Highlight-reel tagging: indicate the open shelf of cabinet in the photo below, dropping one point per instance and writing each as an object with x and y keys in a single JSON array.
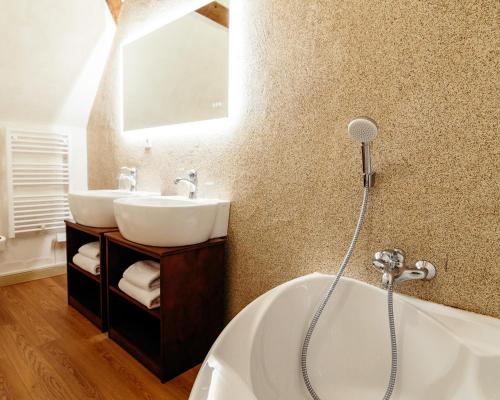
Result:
[
  {"x": 155, "y": 312},
  {"x": 87, "y": 293},
  {"x": 176, "y": 336},
  {"x": 95, "y": 278}
]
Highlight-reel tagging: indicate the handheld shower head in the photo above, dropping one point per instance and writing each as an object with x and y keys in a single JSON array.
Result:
[{"x": 364, "y": 130}]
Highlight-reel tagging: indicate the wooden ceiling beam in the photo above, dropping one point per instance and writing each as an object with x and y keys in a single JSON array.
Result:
[
  {"x": 115, "y": 7},
  {"x": 216, "y": 12}
]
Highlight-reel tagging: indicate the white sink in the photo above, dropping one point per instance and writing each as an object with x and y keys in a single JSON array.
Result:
[
  {"x": 95, "y": 207},
  {"x": 171, "y": 220}
]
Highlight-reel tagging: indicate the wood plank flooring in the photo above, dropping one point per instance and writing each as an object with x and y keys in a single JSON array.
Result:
[{"x": 49, "y": 351}]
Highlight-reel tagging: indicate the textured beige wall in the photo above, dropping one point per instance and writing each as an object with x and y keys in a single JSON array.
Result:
[{"x": 425, "y": 70}]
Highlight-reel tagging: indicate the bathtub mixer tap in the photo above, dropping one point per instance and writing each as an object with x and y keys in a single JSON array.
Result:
[
  {"x": 192, "y": 179},
  {"x": 391, "y": 263}
]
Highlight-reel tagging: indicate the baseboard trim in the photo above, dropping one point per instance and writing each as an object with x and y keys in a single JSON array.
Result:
[{"x": 32, "y": 275}]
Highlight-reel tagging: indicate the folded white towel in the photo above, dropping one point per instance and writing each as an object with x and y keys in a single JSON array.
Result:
[
  {"x": 144, "y": 274},
  {"x": 150, "y": 298},
  {"x": 91, "y": 250},
  {"x": 88, "y": 264}
]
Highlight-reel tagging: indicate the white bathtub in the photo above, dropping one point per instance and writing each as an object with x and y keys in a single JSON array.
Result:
[{"x": 444, "y": 353}]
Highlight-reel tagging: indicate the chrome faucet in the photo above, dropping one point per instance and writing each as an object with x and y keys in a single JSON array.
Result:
[
  {"x": 192, "y": 179},
  {"x": 128, "y": 179},
  {"x": 391, "y": 263}
]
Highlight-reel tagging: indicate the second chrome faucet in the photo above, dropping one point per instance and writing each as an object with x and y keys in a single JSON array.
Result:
[{"x": 192, "y": 180}]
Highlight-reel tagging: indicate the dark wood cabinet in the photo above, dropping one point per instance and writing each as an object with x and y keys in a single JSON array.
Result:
[
  {"x": 175, "y": 337},
  {"x": 86, "y": 292}
]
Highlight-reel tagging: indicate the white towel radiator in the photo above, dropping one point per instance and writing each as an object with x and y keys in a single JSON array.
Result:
[{"x": 38, "y": 180}]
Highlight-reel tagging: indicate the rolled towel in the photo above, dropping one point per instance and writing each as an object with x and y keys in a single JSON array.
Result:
[
  {"x": 88, "y": 264},
  {"x": 144, "y": 274},
  {"x": 150, "y": 298},
  {"x": 92, "y": 250}
]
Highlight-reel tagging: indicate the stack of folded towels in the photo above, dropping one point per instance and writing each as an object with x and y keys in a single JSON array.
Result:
[
  {"x": 88, "y": 258},
  {"x": 141, "y": 281}
]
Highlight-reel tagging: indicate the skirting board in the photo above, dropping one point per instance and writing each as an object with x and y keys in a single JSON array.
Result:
[{"x": 32, "y": 275}]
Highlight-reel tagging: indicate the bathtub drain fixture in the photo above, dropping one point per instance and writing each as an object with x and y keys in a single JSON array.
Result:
[{"x": 363, "y": 130}]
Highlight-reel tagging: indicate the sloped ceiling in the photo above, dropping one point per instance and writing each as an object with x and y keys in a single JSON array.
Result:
[{"x": 53, "y": 54}]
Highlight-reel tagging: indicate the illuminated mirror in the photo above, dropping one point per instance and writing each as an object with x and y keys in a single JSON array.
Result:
[{"x": 179, "y": 72}]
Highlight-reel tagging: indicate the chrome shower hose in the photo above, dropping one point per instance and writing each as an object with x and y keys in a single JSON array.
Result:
[{"x": 329, "y": 292}]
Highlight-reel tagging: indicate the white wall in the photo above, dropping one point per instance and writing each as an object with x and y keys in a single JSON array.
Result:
[{"x": 51, "y": 61}]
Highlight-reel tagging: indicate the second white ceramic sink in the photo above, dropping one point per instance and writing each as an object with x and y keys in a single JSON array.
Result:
[
  {"x": 95, "y": 207},
  {"x": 171, "y": 220}
]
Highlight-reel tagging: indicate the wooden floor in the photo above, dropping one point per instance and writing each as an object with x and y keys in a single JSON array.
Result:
[{"x": 49, "y": 351}]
